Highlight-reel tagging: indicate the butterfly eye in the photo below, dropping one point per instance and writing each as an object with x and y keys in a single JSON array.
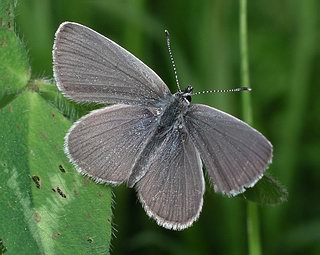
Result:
[{"x": 188, "y": 90}]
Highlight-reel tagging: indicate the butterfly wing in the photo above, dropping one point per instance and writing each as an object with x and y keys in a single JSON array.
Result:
[
  {"x": 172, "y": 190},
  {"x": 234, "y": 154},
  {"x": 106, "y": 143},
  {"x": 89, "y": 67}
]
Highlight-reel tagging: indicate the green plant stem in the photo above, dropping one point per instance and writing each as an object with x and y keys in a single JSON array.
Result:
[
  {"x": 245, "y": 78},
  {"x": 253, "y": 230}
]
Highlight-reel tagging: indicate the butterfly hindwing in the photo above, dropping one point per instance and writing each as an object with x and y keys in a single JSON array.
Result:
[
  {"x": 234, "y": 154},
  {"x": 106, "y": 143},
  {"x": 172, "y": 189}
]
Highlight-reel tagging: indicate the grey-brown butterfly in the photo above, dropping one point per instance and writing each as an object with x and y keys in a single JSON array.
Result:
[{"x": 147, "y": 137}]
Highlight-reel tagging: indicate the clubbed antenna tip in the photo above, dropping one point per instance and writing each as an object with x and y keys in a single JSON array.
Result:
[
  {"x": 245, "y": 89},
  {"x": 223, "y": 90}
]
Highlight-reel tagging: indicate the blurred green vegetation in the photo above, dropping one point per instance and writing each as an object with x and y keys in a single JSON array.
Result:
[{"x": 284, "y": 59}]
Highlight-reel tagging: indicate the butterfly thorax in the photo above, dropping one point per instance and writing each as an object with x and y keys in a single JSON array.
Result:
[{"x": 176, "y": 107}]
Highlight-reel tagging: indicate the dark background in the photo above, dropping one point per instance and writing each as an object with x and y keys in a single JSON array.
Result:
[{"x": 284, "y": 61}]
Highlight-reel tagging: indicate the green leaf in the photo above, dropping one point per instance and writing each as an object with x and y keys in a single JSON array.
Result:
[
  {"x": 46, "y": 206},
  {"x": 14, "y": 66},
  {"x": 268, "y": 191}
]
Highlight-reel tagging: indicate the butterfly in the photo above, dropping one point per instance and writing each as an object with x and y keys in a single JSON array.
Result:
[{"x": 146, "y": 137}]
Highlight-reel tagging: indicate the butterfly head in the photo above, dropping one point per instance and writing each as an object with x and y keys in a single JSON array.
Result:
[{"x": 186, "y": 94}]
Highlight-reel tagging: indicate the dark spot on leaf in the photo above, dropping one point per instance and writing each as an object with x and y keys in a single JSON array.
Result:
[
  {"x": 100, "y": 194},
  {"x": 61, "y": 168},
  {"x": 90, "y": 240},
  {"x": 53, "y": 189},
  {"x": 60, "y": 192},
  {"x": 55, "y": 235},
  {"x": 37, "y": 217},
  {"x": 44, "y": 135},
  {"x": 9, "y": 13},
  {"x": 53, "y": 114},
  {"x": 37, "y": 181},
  {"x": 76, "y": 192},
  {"x": 88, "y": 215},
  {"x": 3, "y": 248}
]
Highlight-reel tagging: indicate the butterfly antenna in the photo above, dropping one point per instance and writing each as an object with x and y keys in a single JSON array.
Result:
[
  {"x": 171, "y": 58},
  {"x": 222, "y": 90}
]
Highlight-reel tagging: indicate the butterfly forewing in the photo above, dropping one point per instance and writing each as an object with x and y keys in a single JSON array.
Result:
[
  {"x": 172, "y": 189},
  {"x": 89, "y": 67},
  {"x": 234, "y": 154},
  {"x": 106, "y": 143}
]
